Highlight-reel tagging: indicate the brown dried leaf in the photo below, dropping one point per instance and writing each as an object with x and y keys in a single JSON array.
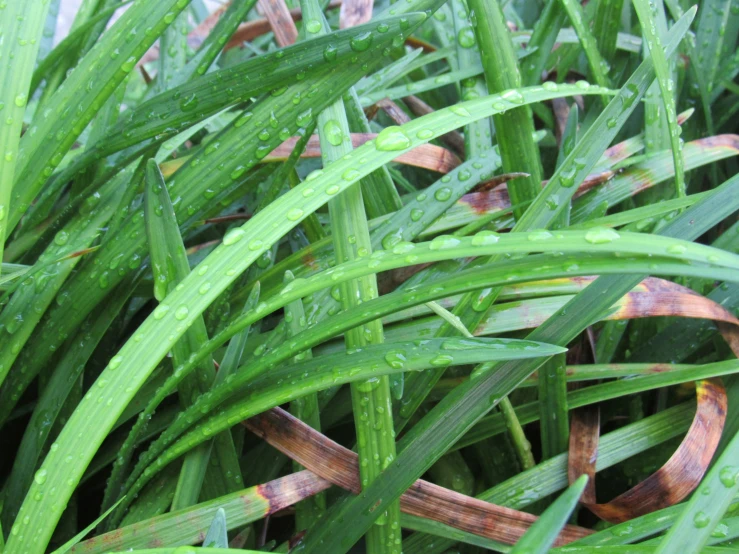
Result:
[
  {"x": 670, "y": 483},
  {"x": 427, "y": 156},
  {"x": 354, "y": 12},
  {"x": 280, "y": 20},
  {"x": 339, "y": 465}
]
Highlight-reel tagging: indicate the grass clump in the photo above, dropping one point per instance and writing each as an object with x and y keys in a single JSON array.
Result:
[{"x": 483, "y": 253}]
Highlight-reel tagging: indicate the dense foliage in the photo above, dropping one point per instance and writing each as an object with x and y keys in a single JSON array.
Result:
[{"x": 266, "y": 268}]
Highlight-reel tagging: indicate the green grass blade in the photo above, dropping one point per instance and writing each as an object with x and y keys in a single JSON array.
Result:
[
  {"x": 711, "y": 41},
  {"x": 477, "y": 134},
  {"x": 550, "y": 476},
  {"x": 545, "y": 33},
  {"x": 605, "y": 26},
  {"x": 67, "y": 45},
  {"x": 267, "y": 392},
  {"x": 162, "y": 116},
  {"x": 67, "y": 546},
  {"x": 80, "y": 97},
  {"x": 371, "y": 400},
  {"x": 217, "y": 536},
  {"x": 202, "y": 189},
  {"x": 68, "y": 369},
  {"x": 666, "y": 87},
  {"x": 542, "y": 534},
  {"x": 186, "y": 527},
  {"x": 556, "y": 196},
  {"x": 21, "y": 25},
  {"x": 25, "y": 309},
  {"x": 596, "y": 139},
  {"x": 598, "y": 66},
  {"x": 222, "y": 268},
  {"x": 305, "y": 408},
  {"x": 428, "y": 439},
  {"x": 652, "y": 171},
  {"x": 515, "y": 128}
]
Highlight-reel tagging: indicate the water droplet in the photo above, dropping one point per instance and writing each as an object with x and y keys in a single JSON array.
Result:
[
  {"x": 425, "y": 134},
  {"x": 369, "y": 385},
  {"x": 329, "y": 53},
  {"x": 61, "y": 238},
  {"x": 442, "y": 242},
  {"x": 189, "y": 103},
  {"x": 181, "y": 312},
  {"x": 677, "y": 249},
  {"x": 295, "y": 214},
  {"x": 416, "y": 214},
  {"x": 466, "y": 37},
  {"x": 550, "y": 86},
  {"x": 160, "y": 311},
  {"x": 601, "y": 235},
  {"x": 441, "y": 360},
  {"x": 21, "y": 100},
  {"x": 459, "y": 110},
  {"x": 484, "y": 238},
  {"x": 313, "y": 26},
  {"x": 396, "y": 359},
  {"x": 350, "y": 174},
  {"x": 513, "y": 96},
  {"x": 40, "y": 476},
  {"x": 402, "y": 247},
  {"x": 539, "y": 235},
  {"x": 443, "y": 194},
  {"x": 728, "y": 476},
  {"x": 361, "y": 42},
  {"x": 233, "y": 236},
  {"x": 701, "y": 519},
  {"x": 333, "y": 132},
  {"x": 392, "y": 139}
]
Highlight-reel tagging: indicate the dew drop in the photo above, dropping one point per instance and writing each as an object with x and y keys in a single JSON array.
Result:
[
  {"x": 601, "y": 235},
  {"x": 701, "y": 519},
  {"x": 459, "y": 110},
  {"x": 295, "y": 214},
  {"x": 160, "y": 311},
  {"x": 233, "y": 236},
  {"x": 392, "y": 139},
  {"x": 361, "y": 42},
  {"x": 728, "y": 476},
  {"x": 181, "y": 312},
  {"x": 443, "y": 194},
  {"x": 61, "y": 238},
  {"x": 333, "y": 132},
  {"x": 443, "y": 242},
  {"x": 40, "y": 476},
  {"x": 484, "y": 238}
]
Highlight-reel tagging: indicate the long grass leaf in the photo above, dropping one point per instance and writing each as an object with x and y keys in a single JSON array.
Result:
[
  {"x": 22, "y": 25},
  {"x": 542, "y": 534}
]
